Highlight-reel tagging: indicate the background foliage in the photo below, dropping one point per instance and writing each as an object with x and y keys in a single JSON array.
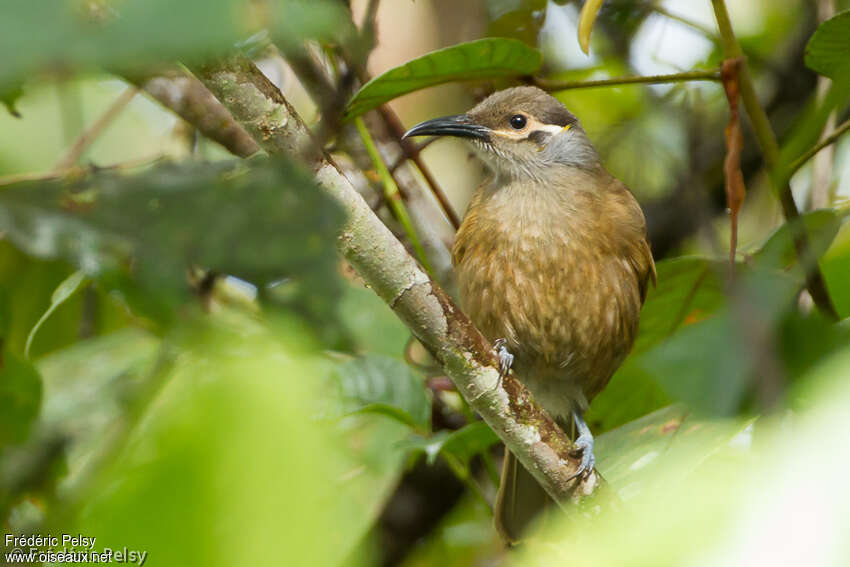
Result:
[{"x": 188, "y": 368}]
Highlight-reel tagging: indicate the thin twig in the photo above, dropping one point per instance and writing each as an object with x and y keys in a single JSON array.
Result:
[
  {"x": 770, "y": 150},
  {"x": 810, "y": 153},
  {"x": 392, "y": 194},
  {"x": 707, "y": 32},
  {"x": 412, "y": 151},
  {"x": 93, "y": 131},
  {"x": 42, "y": 176},
  {"x": 418, "y": 150},
  {"x": 554, "y": 85}
]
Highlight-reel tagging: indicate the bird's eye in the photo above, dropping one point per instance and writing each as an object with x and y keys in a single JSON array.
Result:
[{"x": 518, "y": 121}]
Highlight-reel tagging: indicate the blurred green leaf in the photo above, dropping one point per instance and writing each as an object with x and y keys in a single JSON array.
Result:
[
  {"x": 778, "y": 251},
  {"x": 518, "y": 19},
  {"x": 133, "y": 35},
  {"x": 384, "y": 385},
  {"x": 20, "y": 397},
  {"x": 631, "y": 456},
  {"x": 836, "y": 270},
  {"x": 87, "y": 385},
  {"x": 631, "y": 393},
  {"x": 463, "y": 444},
  {"x": 828, "y": 50},
  {"x": 480, "y": 59},
  {"x": 709, "y": 363},
  {"x": 66, "y": 289},
  {"x": 689, "y": 290},
  {"x": 9, "y": 97},
  {"x": 723, "y": 510},
  {"x": 230, "y": 460},
  {"x": 154, "y": 226}
]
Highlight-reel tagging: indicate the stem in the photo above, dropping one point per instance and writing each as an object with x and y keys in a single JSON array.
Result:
[
  {"x": 770, "y": 150},
  {"x": 809, "y": 154},
  {"x": 392, "y": 194},
  {"x": 553, "y": 85}
]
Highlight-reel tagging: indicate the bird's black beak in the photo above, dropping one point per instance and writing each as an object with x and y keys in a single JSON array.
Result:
[{"x": 460, "y": 126}]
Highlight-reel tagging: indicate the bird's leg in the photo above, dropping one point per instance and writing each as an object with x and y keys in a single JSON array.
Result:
[
  {"x": 583, "y": 444},
  {"x": 506, "y": 359}
]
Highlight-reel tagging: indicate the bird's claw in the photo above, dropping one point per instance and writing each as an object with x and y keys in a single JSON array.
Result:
[
  {"x": 506, "y": 359},
  {"x": 584, "y": 445}
]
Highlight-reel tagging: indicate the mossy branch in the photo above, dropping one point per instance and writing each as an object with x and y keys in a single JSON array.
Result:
[{"x": 464, "y": 354}]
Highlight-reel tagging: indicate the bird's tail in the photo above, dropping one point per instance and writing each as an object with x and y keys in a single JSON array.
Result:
[{"x": 519, "y": 501}]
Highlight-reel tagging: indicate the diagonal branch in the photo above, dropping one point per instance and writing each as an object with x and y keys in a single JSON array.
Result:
[{"x": 420, "y": 303}]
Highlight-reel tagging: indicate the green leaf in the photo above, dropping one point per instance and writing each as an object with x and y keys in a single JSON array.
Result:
[
  {"x": 828, "y": 50},
  {"x": 384, "y": 385},
  {"x": 710, "y": 364},
  {"x": 463, "y": 444},
  {"x": 66, "y": 289},
  {"x": 20, "y": 398},
  {"x": 133, "y": 35},
  {"x": 689, "y": 289},
  {"x": 260, "y": 222},
  {"x": 480, "y": 59},
  {"x": 778, "y": 251},
  {"x": 836, "y": 271},
  {"x": 9, "y": 97},
  {"x": 518, "y": 19},
  {"x": 630, "y": 456}
]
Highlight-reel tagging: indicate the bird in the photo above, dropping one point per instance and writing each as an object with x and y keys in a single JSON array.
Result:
[{"x": 553, "y": 265}]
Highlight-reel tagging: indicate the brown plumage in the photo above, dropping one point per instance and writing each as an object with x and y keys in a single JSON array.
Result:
[{"x": 551, "y": 256}]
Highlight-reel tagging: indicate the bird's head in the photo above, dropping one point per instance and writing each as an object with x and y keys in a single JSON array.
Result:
[{"x": 518, "y": 132}]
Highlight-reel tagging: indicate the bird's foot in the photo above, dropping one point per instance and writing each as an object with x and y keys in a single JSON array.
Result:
[
  {"x": 584, "y": 445},
  {"x": 506, "y": 359}
]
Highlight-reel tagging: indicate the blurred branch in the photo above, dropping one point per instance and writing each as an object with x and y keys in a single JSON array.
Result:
[
  {"x": 553, "y": 85},
  {"x": 92, "y": 132},
  {"x": 830, "y": 139},
  {"x": 420, "y": 303},
  {"x": 189, "y": 99},
  {"x": 770, "y": 149}
]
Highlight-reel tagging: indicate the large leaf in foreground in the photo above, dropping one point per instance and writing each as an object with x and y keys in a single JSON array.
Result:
[
  {"x": 260, "y": 222},
  {"x": 481, "y": 59},
  {"x": 134, "y": 35}
]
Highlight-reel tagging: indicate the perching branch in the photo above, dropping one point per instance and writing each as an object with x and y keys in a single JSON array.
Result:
[
  {"x": 770, "y": 149},
  {"x": 465, "y": 355}
]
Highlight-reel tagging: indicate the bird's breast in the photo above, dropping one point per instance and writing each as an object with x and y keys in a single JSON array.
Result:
[{"x": 539, "y": 275}]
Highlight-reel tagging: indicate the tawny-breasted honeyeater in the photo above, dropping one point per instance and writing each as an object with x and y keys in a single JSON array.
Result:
[{"x": 553, "y": 265}]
